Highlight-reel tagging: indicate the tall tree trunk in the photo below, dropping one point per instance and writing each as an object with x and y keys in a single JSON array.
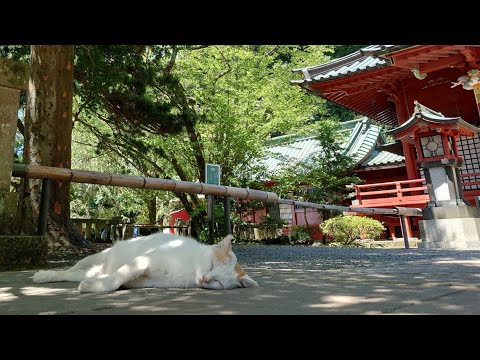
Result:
[
  {"x": 48, "y": 130},
  {"x": 152, "y": 210}
]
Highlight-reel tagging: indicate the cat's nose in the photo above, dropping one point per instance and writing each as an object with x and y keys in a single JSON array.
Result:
[{"x": 202, "y": 280}]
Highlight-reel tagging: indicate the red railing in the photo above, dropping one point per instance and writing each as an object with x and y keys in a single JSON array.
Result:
[
  {"x": 410, "y": 193},
  {"x": 393, "y": 193}
]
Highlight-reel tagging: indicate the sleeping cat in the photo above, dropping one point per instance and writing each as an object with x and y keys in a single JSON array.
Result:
[{"x": 158, "y": 260}]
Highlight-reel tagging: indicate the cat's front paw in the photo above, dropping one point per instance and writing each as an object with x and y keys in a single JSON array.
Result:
[
  {"x": 96, "y": 285},
  {"x": 44, "y": 276}
]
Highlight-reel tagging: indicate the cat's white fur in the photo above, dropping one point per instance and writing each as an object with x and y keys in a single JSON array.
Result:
[{"x": 158, "y": 260}]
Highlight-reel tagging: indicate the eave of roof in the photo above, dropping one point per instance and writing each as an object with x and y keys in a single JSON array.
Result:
[
  {"x": 369, "y": 89},
  {"x": 426, "y": 115},
  {"x": 379, "y": 158},
  {"x": 365, "y": 59}
]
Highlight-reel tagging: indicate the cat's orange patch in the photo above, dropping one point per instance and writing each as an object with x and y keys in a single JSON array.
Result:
[
  {"x": 221, "y": 255},
  {"x": 239, "y": 270}
]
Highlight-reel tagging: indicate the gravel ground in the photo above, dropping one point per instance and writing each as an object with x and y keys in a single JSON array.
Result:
[
  {"x": 307, "y": 257},
  {"x": 325, "y": 258}
]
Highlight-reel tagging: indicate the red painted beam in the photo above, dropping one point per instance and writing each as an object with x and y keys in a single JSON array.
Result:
[
  {"x": 441, "y": 63},
  {"x": 409, "y": 53}
]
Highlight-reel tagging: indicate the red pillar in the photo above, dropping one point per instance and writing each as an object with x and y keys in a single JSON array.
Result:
[
  {"x": 408, "y": 226},
  {"x": 391, "y": 230},
  {"x": 408, "y": 149}
]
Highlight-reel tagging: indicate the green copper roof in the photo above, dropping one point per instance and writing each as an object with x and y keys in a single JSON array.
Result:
[
  {"x": 364, "y": 59},
  {"x": 362, "y": 137}
]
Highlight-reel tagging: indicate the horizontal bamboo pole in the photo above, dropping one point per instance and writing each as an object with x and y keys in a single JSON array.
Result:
[
  {"x": 396, "y": 211},
  {"x": 140, "y": 182}
]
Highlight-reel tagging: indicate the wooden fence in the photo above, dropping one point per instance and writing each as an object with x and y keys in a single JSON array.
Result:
[{"x": 116, "y": 230}]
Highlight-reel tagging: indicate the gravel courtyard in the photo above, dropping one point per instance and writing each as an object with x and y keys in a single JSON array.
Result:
[{"x": 293, "y": 280}]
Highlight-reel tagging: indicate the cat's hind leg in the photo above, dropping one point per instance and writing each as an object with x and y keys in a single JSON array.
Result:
[
  {"x": 91, "y": 266},
  {"x": 124, "y": 274}
]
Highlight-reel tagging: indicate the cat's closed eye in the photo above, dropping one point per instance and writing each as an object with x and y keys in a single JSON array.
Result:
[{"x": 217, "y": 282}]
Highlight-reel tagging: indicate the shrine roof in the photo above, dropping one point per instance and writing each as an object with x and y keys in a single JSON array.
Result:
[{"x": 424, "y": 117}]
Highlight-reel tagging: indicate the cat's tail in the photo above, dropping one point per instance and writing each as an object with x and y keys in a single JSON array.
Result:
[{"x": 91, "y": 265}]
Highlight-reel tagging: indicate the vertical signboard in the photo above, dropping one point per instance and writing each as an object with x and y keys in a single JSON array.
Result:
[{"x": 212, "y": 174}]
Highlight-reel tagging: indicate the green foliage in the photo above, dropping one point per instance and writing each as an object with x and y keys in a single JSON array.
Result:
[
  {"x": 95, "y": 201},
  {"x": 116, "y": 82},
  {"x": 16, "y": 52},
  {"x": 324, "y": 177},
  {"x": 301, "y": 235},
  {"x": 270, "y": 222},
  {"x": 18, "y": 151},
  {"x": 244, "y": 95},
  {"x": 217, "y": 103},
  {"x": 23, "y": 252},
  {"x": 346, "y": 229},
  {"x": 344, "y": 50}
]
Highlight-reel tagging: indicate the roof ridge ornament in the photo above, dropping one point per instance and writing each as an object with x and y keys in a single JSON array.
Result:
[
  {"x": 418, "y": 74},
  {"x": 421, "y": 109}
]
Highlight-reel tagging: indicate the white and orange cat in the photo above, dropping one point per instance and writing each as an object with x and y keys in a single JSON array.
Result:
[{"x": 158, "y": 260}]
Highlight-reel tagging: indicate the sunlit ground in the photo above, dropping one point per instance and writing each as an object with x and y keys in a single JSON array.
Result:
[{"x": 438, "y": 285}]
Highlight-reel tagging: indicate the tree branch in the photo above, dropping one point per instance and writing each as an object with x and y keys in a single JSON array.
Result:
[
  {"x": 271, "y": 51},
  {"x": 198, "y": 47},
  {"x": 171, "y": 62},
  {"x": 223, "y": 73},
  {"x": 21, "y": 127}
]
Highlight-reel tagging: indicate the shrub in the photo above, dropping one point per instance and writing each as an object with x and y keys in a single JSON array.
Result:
[
  {"x": 279, "y": 240},
  {"x": 302, "y": 235},
  {"x": 23, "y": 252},
  {"x": 346, "y": 229}
]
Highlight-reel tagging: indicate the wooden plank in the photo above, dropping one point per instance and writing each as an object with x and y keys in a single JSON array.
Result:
[
  {"x": 419, "y": 188},
  {"x": 392, "y": 191},
  {"x": 391, "y": 202},
  {"x": 379, "y": 192},
  {"x": 390, "y": 183},
  {"x": 441, "y": 63}
]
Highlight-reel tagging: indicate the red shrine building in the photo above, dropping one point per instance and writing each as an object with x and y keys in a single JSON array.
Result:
[{"x": 429, "y": 96}]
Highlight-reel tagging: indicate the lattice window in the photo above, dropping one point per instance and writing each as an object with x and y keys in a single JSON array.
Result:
[
  {"x": 286, "y": 212},
  {"x": 469, "y": 149},
  {"x": 274, "y": 211},
  {"x": 280, "y": 212}
]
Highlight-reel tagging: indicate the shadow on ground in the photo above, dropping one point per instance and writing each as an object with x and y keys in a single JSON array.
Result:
[{"x": 408, "y": 283}]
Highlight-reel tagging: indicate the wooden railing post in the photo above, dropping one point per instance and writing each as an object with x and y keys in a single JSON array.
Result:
[
  {"x": 398, "y": 186},
  {"x": 359, "y": 194}
]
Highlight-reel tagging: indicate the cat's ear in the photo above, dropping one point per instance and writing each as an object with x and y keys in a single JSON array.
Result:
[
  {"x": 226, "y": 243},
  {"x": 246, "y": 281}
]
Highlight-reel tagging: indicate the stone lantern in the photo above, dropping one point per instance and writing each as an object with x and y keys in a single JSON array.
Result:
[{"x": 448, "y": 220}]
